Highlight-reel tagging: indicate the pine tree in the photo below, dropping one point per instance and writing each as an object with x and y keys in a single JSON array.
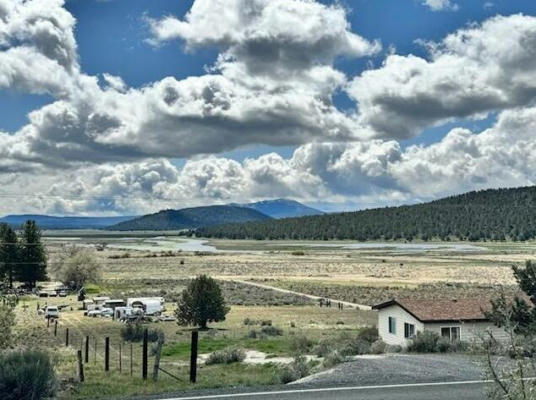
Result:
[
  {"x": 9, "y": 253},
  {"x": 33, "y": 259},
  {"x": 201, "y": 302}
]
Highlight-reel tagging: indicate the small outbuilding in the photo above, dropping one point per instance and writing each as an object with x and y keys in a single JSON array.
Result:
[{"x": 454, "y": 319}]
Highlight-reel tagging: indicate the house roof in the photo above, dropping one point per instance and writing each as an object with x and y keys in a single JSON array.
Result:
[{"x": 442, "y": 310}]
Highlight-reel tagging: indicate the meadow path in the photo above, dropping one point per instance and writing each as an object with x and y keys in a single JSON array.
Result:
[{"x": 309, "y": 296}]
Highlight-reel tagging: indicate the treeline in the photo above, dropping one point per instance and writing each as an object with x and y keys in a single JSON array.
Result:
[
  {"x": 22, "y": 257},
  {"x": 495, "y": 214}
]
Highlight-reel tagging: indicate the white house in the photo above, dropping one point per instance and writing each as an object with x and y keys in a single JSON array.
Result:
[{"x": 455, "y": 319}]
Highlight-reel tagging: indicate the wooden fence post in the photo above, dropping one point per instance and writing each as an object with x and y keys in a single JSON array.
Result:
[
  {"x": 130, "y": 359},
  {"x": 95, "y": 348},
  {"x": 80, "y": 366},
  {"x": 144, "y": 356},
  {"x": 193, "y": 357},
  {"x": 106, "y": 353},
  {"x": 159, "y": 345},
  {"x": 120, "y": 359},
  {"x": 66, "y": 337},
  {"x": 55, "y": 328},
  {"x": 86, "y": 355}
]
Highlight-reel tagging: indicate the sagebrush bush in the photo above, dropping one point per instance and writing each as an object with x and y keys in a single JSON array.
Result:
[
  {"x": 333, "y": 358},
  {"x": 369, "y": 334},
  {"x": 301, "y": 344},
  {"x": 356, "y": 347},
  {"x": 424, "y": 342},
  {"x": 26, "y": 375},
  {"x": 226, "y": 356},
  {"x": 297, "y": 369},
  {"x": 133, "y": 332},
  {"x": 271, "y": 331},
  {"x": 322, "y": 349},
  {"x": 266, "y": 322},
  {"x": 378, "y": 347}
]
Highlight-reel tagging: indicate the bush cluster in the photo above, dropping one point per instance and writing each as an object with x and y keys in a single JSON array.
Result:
[
  {"x": 431, "y": 342},
  {"x": 133, "y": 332},
  {"x": 26, "y": 375},
  {"x": 226, "y": 356},
  {"x": 297, "y": 369}
]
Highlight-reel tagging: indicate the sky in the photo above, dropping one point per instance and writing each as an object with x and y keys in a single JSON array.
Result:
[{"x": 122, "y": 107}]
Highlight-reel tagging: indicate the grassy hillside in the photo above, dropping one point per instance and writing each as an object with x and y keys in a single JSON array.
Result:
[
  {"x": 495, "y": 214},
  {"x": 189, "y": 218}
]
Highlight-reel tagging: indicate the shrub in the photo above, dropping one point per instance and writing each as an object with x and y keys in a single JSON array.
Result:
[
  {"x": 271, "y": 331},
  {"x": 333, "y": 358},
  {"x": 253, "y": 334},
  {"x": 378, "y": 347},
  {"x": 26, "y": 375},
  {"x": 369, "y": 334},
  {"x": 301, "y": 344},
  {"x": 443, "y": 345},
  {"x": 390, "y": 348},
  {"x": 356, "y": 347},
  {"x": 133, "y": 332},
  {"x": 297, "y": 369},
  {"x": 249, "y": 322},
  {"x": 322, "y": 349},
  {"x": 298, "y": 253},
  {"x": 424, "y": 342},
  {"x": 266, "y": 322},
  {"x": 226, "y": 356}
]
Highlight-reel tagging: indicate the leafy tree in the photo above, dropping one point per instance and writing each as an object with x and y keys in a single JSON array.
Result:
[
  {"x": 76, "y": 268},
  {"x": 518, "y": 312},
  {"x": 9, "y": 253},
  {"x": 33, "y": 258},
  {"x": 201, "y": 302},
  {"x": 7, "y": 321},
  {"x": 518, "y": 318}
]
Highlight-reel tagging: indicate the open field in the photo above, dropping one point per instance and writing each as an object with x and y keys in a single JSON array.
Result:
[{"x": 151, "y": 265}]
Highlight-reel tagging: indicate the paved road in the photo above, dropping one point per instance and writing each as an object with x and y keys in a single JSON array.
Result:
[
  {"x": 469, "y": 390},
  {"x": 309, "y": 296}
]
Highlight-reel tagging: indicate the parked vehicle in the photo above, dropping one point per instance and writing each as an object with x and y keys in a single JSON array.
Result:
[{"x": 52, "y": 312}]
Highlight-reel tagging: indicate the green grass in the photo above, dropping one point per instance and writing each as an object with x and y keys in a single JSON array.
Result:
[
  {"x": 113, "y": 385},
  {"x": 273, "y": 346}
]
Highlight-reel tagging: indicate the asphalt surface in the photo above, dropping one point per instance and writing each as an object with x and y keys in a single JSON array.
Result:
[{"x": 436, "y": 391}]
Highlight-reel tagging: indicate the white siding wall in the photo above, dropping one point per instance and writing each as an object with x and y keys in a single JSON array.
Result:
[
  {"x": 469, "y": 331},
  {"x": 401, "y": 317}
]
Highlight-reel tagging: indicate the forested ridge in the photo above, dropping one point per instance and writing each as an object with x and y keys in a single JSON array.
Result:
[{"x": 494, "y": 214}]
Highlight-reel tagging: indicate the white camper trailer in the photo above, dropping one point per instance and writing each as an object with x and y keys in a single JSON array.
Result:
[
  {"x": 150, "y": 306},
  {"x": 125, "y": 313}
]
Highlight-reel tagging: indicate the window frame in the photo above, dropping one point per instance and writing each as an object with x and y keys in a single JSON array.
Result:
[
  {"x": 451, "y": 328},
  {"x": 391, "y": 325},
  {"x": 409, "y": 330}
]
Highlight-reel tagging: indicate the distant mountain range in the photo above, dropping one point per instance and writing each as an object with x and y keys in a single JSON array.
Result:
[
  {"x": 187, "y": 218},
  {"x": 494, "y": 214},
  {"x": 282, "y": 208},
  {"x": 51, "y": 222}
]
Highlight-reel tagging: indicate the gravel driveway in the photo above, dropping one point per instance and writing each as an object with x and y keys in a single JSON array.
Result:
[{"x": 400, "y": 369}]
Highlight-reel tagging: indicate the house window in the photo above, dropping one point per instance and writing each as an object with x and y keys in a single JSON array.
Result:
[
  {"x": 409, "y": 330},
  {"x": 392, "y": 325},
  {"x": 451, "y": 333}
]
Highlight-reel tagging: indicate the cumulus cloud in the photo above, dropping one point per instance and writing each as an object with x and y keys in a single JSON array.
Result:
[
  {"x": 470, "y": 73},
  {"x": 361, "y": 174},
  {"x": 439, "y": 5},
  {"x": 272, "y": 84}
]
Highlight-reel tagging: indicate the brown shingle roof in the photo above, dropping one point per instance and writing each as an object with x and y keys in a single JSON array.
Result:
[{"x": 442, "y": 310}]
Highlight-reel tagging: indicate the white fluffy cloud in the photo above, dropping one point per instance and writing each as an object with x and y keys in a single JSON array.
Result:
[
  {"x": 470, "y": 73},
  {"x": 439, "y": 5},
  {"x": 102, "y": 146}
]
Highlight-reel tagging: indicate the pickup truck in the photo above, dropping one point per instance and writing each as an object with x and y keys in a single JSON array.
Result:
[{"x": 52, "y": 312}]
